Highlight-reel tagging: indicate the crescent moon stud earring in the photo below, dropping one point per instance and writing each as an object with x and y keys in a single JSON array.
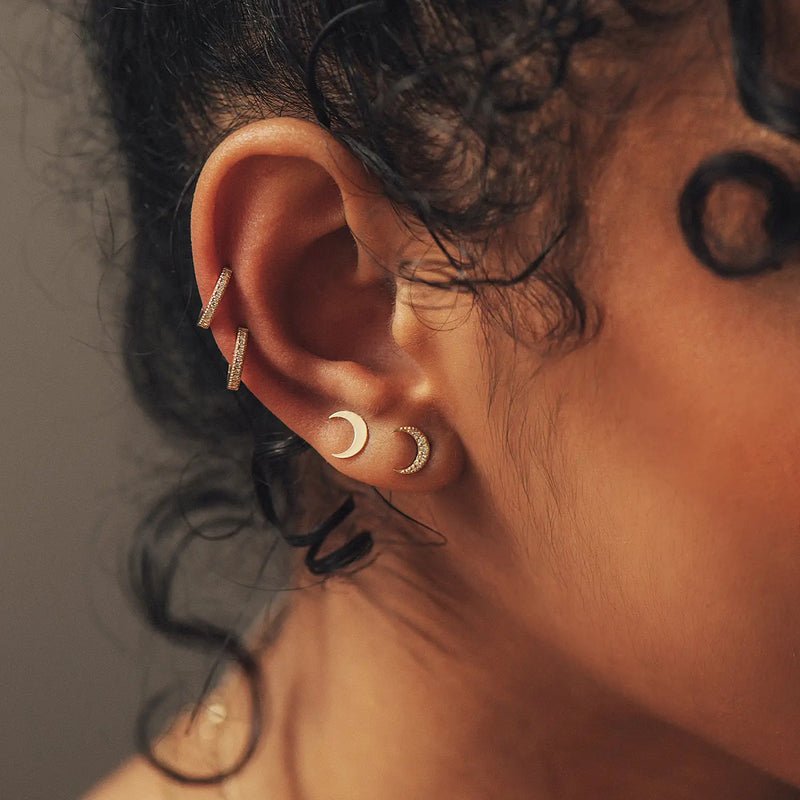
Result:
[
  {"x": 360, "y": 433},
  {"x": 423, "y": 450}
]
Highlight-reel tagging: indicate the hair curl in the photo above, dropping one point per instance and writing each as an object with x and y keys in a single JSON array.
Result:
[{"x": 458, "y": 107}]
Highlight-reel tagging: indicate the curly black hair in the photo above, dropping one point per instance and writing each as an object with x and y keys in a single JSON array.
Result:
[{"x": 462, "y": 109}]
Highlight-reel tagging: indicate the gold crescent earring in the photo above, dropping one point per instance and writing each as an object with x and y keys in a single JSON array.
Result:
[
  {"x": 360, "y": 433},
  {"x": 423, "y": 450}
]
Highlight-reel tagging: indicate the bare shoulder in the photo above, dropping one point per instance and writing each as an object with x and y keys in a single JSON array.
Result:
[
  {"x": 139, "y": 780},
  {"x": 136, "y": 780},
  {"x": 196, "y": 744}
]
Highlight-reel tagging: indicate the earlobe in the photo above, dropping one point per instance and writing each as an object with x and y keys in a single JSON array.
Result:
[{"x": 306, "y": 237}]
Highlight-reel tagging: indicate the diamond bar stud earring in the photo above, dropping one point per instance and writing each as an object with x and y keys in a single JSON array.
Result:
[
  {"x": 219, "y": 289},
  {"x": 237, "y": 362}
]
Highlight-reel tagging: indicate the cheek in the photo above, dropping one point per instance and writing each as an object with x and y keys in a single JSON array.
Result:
[
  {"x": 674, "y": 549},
  {"x": 697, "y": 390},
  {"x": 681, "y": 433}
]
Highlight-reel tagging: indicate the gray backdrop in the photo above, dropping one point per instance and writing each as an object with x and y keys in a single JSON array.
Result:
[{"x": 72, "y": 443}]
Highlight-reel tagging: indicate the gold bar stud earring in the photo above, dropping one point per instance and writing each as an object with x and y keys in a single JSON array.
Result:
[
  {"x": 237, "y": 362},
  {"x": 208, "y": 312}
]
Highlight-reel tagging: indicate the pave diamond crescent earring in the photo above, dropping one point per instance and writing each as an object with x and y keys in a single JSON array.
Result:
[{"x": 423, "y": 450}]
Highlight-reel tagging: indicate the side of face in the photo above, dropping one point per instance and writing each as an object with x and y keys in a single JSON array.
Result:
[
  {"x": 648, "y": 481},
  {"x": 633, "y": 501}
]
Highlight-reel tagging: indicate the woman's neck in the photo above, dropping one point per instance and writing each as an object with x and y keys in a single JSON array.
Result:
[{"x": 388, "y": 686}]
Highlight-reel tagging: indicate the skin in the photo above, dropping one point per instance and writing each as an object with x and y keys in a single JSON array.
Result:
[{"x": 615, "y": 613}]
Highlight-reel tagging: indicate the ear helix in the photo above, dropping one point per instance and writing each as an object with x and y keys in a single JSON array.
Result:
[
  {"x": 207, "y": 316},
  {"x": 361, "y": 436}
]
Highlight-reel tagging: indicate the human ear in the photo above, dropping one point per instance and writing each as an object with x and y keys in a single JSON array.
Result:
[{"x": 308, "y": 237}]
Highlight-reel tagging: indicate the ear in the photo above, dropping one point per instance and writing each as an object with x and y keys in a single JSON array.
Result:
[{"x": 308, "y": 237}]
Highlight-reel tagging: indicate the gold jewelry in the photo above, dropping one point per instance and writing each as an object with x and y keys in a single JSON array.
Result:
[
  {"x": 423, "y": 450},
  {"x": 237, "y": 362},
  {"x": 213, "y": 718},
  {"x": 208, "y": 312},
  {"x": 360, "y": 433}
]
